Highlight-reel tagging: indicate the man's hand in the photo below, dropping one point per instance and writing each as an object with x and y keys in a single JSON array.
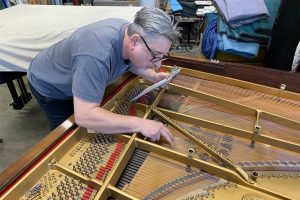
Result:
[
  {"x": 149, "y": 74},
  {"x": 90, "y": 115},
  {"x": 155, "y": 130},
  {"x": 160, "y": 76}
]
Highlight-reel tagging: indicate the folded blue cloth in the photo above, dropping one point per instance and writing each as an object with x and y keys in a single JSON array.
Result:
[
  {"x": 175, "y": 6},
  {"x": 244, "y": 49},
  {"x": 240, "y": 12}
]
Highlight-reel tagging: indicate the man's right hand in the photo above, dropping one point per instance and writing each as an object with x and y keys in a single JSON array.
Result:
[
  {"x": 90, "y": 115},
  {"x": 155, "y": 130}
]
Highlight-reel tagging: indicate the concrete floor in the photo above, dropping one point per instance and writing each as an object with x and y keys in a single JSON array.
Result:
[{"x": 19, "y": 129}]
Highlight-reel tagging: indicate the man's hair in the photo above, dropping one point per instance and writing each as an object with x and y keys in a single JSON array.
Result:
[{"x": 151, "y": 22}]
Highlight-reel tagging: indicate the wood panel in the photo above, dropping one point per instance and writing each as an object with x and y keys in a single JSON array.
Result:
[{"x": 260, "y": 75}]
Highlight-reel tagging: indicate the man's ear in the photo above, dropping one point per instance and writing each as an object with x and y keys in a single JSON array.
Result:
[{"x": 134, "y": 40}]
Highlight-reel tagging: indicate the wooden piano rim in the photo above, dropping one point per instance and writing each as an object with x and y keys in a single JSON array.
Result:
[
  {"x": 23, "y": 165},
  {"x": 260, "y": 75},
  {"x": 27, "y": 161}
]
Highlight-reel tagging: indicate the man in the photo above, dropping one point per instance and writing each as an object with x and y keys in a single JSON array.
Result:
[{"x": 71, "y": 76}]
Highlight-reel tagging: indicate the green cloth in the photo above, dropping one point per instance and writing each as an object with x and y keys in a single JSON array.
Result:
[
  {"x": 259, "y": 31},
  {"x": 2, "y": 6},
  {"x": 266, "y": 25},
  {"x": 244, "y": 33}
]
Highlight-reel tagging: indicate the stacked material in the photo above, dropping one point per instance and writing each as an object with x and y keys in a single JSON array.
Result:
[
  {"x": 242, "y": 26},
  {"x": 238, "y": 12}
]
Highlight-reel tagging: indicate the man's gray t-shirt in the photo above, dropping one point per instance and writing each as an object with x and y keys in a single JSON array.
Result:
[{"x": 83, "y": 64}]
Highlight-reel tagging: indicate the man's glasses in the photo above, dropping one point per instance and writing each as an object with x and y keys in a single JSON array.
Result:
[{"x": 155, "y": 58}]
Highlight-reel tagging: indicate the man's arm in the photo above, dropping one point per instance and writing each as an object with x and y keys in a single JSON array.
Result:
[{"x": 92, "y": 116}]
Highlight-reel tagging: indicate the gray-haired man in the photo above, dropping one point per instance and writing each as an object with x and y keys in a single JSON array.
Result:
[{"x": 71, "y": 76}]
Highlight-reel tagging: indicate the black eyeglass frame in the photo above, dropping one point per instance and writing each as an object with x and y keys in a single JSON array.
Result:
[{"x": 155, "y": 58}]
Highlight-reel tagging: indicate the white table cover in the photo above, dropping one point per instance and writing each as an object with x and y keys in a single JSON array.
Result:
[{"x": 25, "y": 30}]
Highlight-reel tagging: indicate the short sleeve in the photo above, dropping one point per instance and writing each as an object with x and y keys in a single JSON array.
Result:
[{"x": 90, "y": 78}]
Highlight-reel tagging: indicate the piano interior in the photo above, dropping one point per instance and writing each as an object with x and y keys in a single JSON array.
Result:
[{"x": 234, "y": 140}]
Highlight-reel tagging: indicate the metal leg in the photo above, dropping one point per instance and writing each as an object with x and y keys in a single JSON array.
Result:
[
  {"x": 25, "y": 95},
  {"x": 18, "y": 101}
]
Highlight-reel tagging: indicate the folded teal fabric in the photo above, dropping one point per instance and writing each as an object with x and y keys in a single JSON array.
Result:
[
  {"x": 244, "y": 33},
  {"x": 244, "y": 49},
  {"x": 265, "y": 26},
  {"x": 258, "y": 31}
]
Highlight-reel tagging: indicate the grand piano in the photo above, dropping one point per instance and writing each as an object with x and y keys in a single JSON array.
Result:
[{"x": 236, "y": 127}]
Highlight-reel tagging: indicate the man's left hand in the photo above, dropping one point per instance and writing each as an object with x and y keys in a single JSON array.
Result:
[{"x": 160, "y": 76}]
